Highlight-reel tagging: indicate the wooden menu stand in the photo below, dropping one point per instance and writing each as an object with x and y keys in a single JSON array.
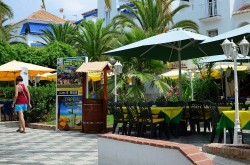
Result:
[{"x": 94, "y": 113}]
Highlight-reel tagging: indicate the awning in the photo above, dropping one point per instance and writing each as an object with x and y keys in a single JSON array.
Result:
[
  {"x": 77, "y": 22},
  {"x": 90, "y": 14},
  {"x": 24, "y": 29},
  {"x": 34, "y": 28}
]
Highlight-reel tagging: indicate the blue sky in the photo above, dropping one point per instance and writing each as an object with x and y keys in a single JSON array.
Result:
[{"x": 23, "y": 8}]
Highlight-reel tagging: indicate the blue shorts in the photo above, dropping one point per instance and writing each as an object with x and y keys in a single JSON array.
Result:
[{"x": 21, "y": 107}]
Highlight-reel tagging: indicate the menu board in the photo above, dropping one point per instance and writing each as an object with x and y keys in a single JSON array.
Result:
[{"x": 69, "y": 92}]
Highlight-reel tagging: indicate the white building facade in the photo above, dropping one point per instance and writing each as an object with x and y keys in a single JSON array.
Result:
[
  {"x": 215, "y": 16},
  {"x": 31, "y": 27}
]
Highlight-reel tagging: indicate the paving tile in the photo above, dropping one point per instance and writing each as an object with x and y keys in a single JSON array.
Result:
[{"x": 45, "y": 147}]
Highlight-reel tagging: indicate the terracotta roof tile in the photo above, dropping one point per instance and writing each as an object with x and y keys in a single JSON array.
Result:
[
  {"x": 243, "y": 9},
  {"x": 45, "y": 16}
]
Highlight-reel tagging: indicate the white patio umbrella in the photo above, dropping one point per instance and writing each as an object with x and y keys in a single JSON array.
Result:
[
  {"x": 174, "y": 74},
  {"x": 174, "y": 45},
  {"x": 212, "y": 45},
  {"x": 217, "y": 58}
]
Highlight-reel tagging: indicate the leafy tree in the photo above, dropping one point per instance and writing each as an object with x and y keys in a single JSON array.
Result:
[
  {"x": 46, "y": 56},
  {"x": 28, "y": 54},
  {"x": 6, "y": 52},
  {"x": 154, "y": 15},
  {"x": 60, "y": 33},
  {"x": 206, "y": 89},
  {"x": 56, "y": 50},
  {"x": 95, "y": 39}
]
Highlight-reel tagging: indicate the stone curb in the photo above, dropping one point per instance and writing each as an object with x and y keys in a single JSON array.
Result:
[
  {"x": 234, "y": 152},
  {"x": 49, "y": 127},
  {"x": 41, "y": 126}
]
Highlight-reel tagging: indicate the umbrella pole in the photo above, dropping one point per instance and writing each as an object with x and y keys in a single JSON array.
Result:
[{"x": 180, "y": 79}]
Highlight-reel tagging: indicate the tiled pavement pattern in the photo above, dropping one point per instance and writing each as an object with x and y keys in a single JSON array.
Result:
[{"x": 46, "y": 147}]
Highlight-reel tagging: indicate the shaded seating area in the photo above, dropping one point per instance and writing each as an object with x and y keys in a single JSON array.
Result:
[
  {"x": 142, "y": 118},
  {"x": 148, "y": 120},
  {"x": 197, "y": 115},
  {"x": 134, "y": 118},
  {"x": 119, "y": 117},
  {"x": 145, "y": 119}
]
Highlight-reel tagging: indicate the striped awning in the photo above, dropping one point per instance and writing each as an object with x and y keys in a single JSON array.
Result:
[{"x": 34, "y": 28}]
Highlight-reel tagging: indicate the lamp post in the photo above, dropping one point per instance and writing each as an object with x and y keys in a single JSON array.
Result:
[
  {"x": 191, "y": 83},
  {"x": 35, "y": 79},
  {"x": 190, "y": 76},
  {"x": 230, "y": 49},
  {"x": 221, "y": 78},
  {"x": 117, "y": 71}
]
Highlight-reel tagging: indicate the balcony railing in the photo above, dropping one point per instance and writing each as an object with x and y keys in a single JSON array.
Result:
[{"x": 210, "y": 10}]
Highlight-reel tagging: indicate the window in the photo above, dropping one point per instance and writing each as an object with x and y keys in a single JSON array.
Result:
[
  {"x": 212, "y": 33},
  {"x": 212, "y": 8}
]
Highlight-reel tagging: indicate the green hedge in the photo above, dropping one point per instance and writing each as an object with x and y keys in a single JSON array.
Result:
[{"x": 43, "y": 100}]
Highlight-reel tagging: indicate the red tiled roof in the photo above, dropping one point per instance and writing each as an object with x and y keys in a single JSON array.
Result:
[
  {"x": 42, "y": 15},
  {"x": 243, "y": 9},
  {"x": 45, "y": 16}
]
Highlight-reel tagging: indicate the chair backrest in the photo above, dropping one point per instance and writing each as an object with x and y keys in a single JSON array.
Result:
[
  {"x": 213, "y": 109},
  {"x": 145, "y": 112},
  {"x": 242, "y": 103},
  {"x": 183, "y": 104},
  {"x": 196, "y": 109},
  {"x": 7, "y": 108},
  {"x": 151, "y": 103},
  {"x": 117, "y": 111},
  {"x": 133, "y": 113},
  {"x": 171, "y": 104},
  {"x": 161, "y": 103},
  {"x": 224, "y": 103}
]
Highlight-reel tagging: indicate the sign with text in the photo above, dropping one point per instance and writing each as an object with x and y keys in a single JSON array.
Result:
[
  {"x": 69, "y": 92},
  {"x": 70, "y": 108}
]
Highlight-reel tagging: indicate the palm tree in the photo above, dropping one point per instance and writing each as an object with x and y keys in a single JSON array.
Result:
[
  {"x": 108, "y": 4},
  {"x": 142, "y": 71},
  {"x": 43, "y": 3},
  {"x": 5, "y": 12},
  {"x": 6, "y": 32},
  {"x": 60, "y": 32},
  {"x": 155, "y": 15},
  {"x": 94, "y": 39}
]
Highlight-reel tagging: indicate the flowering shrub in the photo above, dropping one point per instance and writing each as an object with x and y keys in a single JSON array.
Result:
[{"x": 173, "y": 93}]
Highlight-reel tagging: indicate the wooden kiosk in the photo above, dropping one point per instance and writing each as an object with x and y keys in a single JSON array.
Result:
[{"x": 94, "y": 111}]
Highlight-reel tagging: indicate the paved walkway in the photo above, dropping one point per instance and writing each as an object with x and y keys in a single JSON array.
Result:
[{"x": 46, "y": 147}]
